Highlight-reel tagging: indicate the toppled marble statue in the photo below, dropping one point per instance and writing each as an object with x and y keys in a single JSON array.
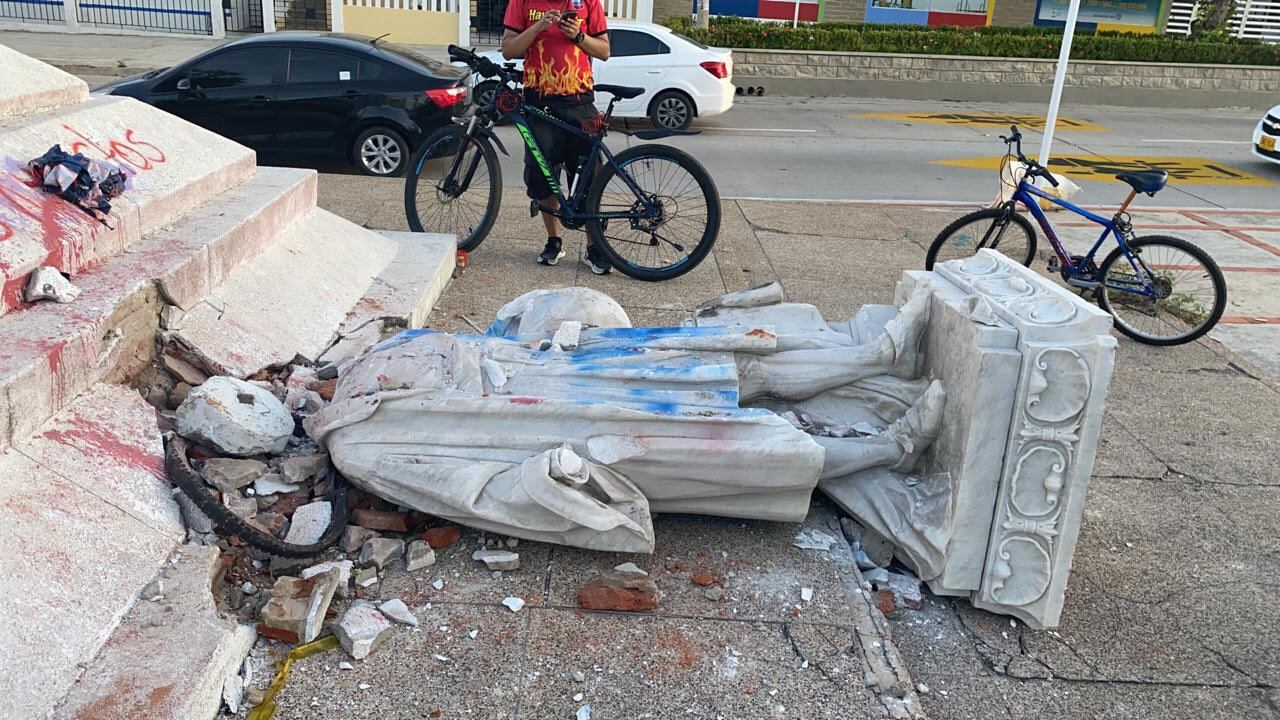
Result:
[{"x": 566, "y": 424}]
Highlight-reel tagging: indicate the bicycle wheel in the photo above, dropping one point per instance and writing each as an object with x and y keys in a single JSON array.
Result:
[
  {"x": 1191, "y": 292},
  {"x": 1000, "y": 229},
  {"x": 459, "y": 198},
  {"x": 686, "y": 227}
]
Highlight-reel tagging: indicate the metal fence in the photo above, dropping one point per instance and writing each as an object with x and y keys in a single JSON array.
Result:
[
  {"x": 183, "y": 17},
  {"x": 1256, "y": 19},
  {"x": 486, "y": 21},
  {"x": 33, "y": 11},
  {"x": 302, "y": 14}
]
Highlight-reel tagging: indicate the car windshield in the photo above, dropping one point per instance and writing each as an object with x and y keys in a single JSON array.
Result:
[
  {"x": 409, "y": 53},
  {"x": 690, "y": 40}
]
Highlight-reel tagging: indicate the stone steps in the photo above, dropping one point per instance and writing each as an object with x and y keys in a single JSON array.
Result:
[
  {"x": 53, "y": 352},
  {"x": 31, "y": 86},
  {"x": 174, "y": 167}
]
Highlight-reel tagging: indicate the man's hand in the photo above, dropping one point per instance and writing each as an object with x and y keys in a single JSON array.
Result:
[
  {"x": 551, "y": 17},
  {"x": 570, "y": 26}
]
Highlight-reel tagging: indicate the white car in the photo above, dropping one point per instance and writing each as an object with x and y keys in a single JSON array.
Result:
[
  {"x": 682, "y": 79},
  {"x": 1266, "y": 137}
]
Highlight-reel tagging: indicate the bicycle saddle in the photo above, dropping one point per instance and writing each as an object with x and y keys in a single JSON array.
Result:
[
  {"x": 1147, "y": 181},
  {"x": 621, "y": 92}
]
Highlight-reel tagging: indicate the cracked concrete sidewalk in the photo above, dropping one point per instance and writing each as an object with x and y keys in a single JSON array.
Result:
[{"x": 1169, "y": 611}]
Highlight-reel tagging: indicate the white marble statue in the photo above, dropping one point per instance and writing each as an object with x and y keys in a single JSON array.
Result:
[{"x": 565, "y": 424}]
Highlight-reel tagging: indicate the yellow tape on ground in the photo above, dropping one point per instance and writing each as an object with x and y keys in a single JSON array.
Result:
[
  {"x": 995, "y": 120},
  {"x": 1182, "y": 170},
  {"x": 267, "y": 709}
]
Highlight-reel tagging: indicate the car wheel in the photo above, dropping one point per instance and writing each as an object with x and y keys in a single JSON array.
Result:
[
  {"x": 381, "y": 152},
  {"x": 671, "y": 110}
]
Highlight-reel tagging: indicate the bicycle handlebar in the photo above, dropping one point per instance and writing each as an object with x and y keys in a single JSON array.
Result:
[
  {"x": 483, "y": 66},
  {"x": 1033, "y": 168}
]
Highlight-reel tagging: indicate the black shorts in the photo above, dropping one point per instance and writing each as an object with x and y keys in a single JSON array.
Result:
[{"x": 559, "y": 148}]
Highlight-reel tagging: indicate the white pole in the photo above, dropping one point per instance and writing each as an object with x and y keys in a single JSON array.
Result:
[
  {"x": 1059, "y": 77},
  {"x": 795, "y": 19}
]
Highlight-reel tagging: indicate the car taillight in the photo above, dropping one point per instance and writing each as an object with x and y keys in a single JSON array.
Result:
[
  {"x": 447, "y": 97},
  {"x": 716, "y": 68}
]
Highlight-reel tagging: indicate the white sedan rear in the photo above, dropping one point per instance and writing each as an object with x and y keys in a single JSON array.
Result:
[
  {"x": 682, "y": 78},
  {"x": 1266, "y": 137}
]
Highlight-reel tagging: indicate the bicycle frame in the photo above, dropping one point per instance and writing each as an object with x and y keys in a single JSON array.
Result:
[
  {"x": 569, "y": 205},
  {"x": 1075, "y": 272}
]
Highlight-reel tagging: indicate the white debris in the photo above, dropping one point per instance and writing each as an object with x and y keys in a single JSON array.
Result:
[
  {"x": 579, "y": 676},
  {"x": 497, "y": 559},
  {"x": 248, "y": 588},
  {"x": 922, "y": 688},
  {"x": 512, "y": 542},
  {"x": 578, "y": 697},
  {"x": 438, "y": 584},
  {"x": 813, "y": 539},
  {"x": 344, "y": 665},
  {"x": 236, "y": 417},
  {"x": 309, "y": 523},
  {"x": 472, "y": 634},
  {"x": 362, "y": 629},
  {"x": 806, "y": 594},
  {"x": 47, "y": 283},
  {"x": 365, "y": 686},
  {"x": 442, "y": 658},
  {"x": 271, "y": 484},
  {"x": 514, "y": 603},
  {"x": 584, "y": 713},
  {"x": 630, "y": 568},
  {"x": 398, "y": 611}
]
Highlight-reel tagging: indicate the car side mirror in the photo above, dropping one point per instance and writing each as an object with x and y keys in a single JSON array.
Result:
[{"x": 184, "y": 84}]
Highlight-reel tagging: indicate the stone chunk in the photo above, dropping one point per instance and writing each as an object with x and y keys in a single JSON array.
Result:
[
  {"x": 513, "y": 603},
  {"x": 599, "y": 596},
  {"x": 343, "y": 567},
  {"x": 47, "y": 283},
  {"x": 354, "y": 538},
  {"x": 362, "y": 629},
  {"x": 236, "y": 417},
  {"x": 297, "y": 607},
  {"x": 629, "y": 577},
  {"x": 419, "y": 555},
  {"x": 272, "y": 483},
  {"x": 378, "y": 552},
  {"x": 298, "y": 469},
  {"x": 877, "y": 547},
  {"x": 245, "y": 507},
  {"x": 366, "y": 577},
  {"x": 380, "y": 520},
  {"x": 897, "y": 592},
  {"x": 497, "y": 559},
  {"x": 309, "y": 523},
  {"x": 231, "y": 474},
  {"x": 396, "y": 610},
  {"x": 442, "y": 537}
]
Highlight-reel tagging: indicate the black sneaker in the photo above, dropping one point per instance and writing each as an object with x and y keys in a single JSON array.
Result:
[
  {"x": 552, "y": 253},
  {"x": 596, "y": 261}
]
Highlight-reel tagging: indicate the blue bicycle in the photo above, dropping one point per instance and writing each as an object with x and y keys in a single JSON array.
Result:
[{"x": 1160, "y": 290}]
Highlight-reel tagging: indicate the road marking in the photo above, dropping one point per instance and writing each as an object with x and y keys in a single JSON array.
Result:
[
  {"x": 1182, "y": 170},
  {"x": 777, "y": 130},
  {"x": 1268, "y": 247},
  {"x": 1000, "y": 120},
  {"x": 899, "y": 202},
  {"x": 1248, "y": 320},
  {"x": 1201, "y": 142}
]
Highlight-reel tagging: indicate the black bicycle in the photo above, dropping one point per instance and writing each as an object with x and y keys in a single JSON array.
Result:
[{"x": 652, "y": 210}]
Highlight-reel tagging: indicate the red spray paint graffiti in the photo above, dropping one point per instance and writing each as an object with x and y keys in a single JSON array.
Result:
[{"x": 23, "y": 205}]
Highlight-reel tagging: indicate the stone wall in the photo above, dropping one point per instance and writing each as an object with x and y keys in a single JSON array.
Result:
[
  {"x": 844, "y": 10},
  {"x": 1013, "y": 13},
  {"x": 663, "y": 9},
  {"x": 942, "y": 77}
]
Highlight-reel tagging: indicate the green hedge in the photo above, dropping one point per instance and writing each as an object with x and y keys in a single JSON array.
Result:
[{"x": 1019, "y": 42}]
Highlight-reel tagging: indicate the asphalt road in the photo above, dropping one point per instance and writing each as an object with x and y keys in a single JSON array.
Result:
[{"x": 797, "y": 148}]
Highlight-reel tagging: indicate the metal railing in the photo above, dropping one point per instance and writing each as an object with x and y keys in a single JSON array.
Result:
[
  {"x": 183, "y": 17},
  {"x": 46, "y": 12},
  {"x": 1255, "y": 19}
]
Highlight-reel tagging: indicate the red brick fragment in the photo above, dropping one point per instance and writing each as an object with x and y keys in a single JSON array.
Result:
[
  {"x": 598, "y": 596},
  {"x": 324, "y": 388},
  {"x": 442, "y": 537},
  {"x": 277, "y": 634},
  {"x": 379, "y": 520},
  {"x": 706, "y": 580}
]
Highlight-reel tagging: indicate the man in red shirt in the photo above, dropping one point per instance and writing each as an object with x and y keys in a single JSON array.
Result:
[{"x": 557, "y": 39}]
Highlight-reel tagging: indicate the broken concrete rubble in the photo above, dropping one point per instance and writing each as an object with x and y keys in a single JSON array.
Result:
[
  {"x": 344, "y": 568},
  {"x": 271, "y": 484},
  {"x": 354, "y": 538},
  {"x": 309, "y": 523},
  {"x": 497, "y": 559},
  {"x": 296, "y": 611},
  {"x": 419, "y": 555},
  {"x": 231, "y": 474},
  {"x": 236, "y": 417},
  {"x": 379, "y": 552},
  {"x": 630, "y": 577},
  {"x": 362, "y": 629},
  {"x": 47, "y": 283},
  {"x": 298, "y": 469},
  {"x": 244, "y": 507},
  {"x": 396, "y": 610}
]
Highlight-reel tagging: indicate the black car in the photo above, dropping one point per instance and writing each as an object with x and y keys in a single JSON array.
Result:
[{"x": 311, "y": 100}]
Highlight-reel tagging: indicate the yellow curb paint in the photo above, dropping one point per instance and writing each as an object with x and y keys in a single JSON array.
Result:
[
  {"x": 995, "y": 120},
  {"x": 1182, "y": 170},
  {"x": 267, "y": 709}
]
